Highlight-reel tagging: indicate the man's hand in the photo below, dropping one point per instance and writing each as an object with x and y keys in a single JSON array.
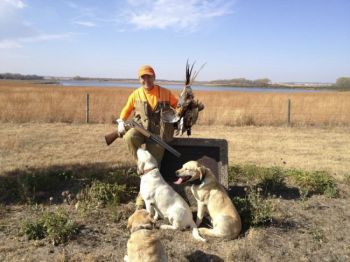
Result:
[{"x": 121, "y": 126}]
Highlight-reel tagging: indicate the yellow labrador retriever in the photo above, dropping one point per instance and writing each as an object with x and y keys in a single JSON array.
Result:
[
  {"x": 143, "y": 245},
  {"x": 211, "y": 196}
]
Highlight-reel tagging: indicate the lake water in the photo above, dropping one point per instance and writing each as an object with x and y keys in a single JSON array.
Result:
[{"x": 179, "y": 87}]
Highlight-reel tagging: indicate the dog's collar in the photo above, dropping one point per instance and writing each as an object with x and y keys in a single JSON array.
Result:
[
  {"x": 198, "y": 182},
  {"x": 140, "y": 227},
  {"x": 147, "y": 171}
]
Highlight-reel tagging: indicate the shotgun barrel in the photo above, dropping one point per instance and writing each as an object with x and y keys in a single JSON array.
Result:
[{"x": 111, "y": 137}]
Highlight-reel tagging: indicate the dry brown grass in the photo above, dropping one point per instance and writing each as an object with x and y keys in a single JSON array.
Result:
[
  {"x": 239, "y": 108},
  {"x": 26, "y": 102},
  {"x": 310, "y": 230},
  {"x": 31, "y": 102},
  {"x": 42, "y": 145}
]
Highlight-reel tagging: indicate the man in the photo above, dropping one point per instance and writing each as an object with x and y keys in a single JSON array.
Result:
[{"x": 152, "y": 106}]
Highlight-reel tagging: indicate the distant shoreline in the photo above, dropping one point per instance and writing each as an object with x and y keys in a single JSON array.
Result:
[
  {"x": 210, "y": 83},
  {"x": 57, "y": 81}
]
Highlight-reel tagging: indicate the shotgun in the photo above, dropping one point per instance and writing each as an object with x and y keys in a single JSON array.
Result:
[{"x": 132, "y": 124}]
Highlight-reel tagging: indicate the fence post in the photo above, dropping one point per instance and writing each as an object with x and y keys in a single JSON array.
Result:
[
  {"x": 288, "y": 112},
  {"x": 87, "y": 108}
]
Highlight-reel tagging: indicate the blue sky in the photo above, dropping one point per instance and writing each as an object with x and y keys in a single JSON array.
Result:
[{"x": 289, "y": 40}]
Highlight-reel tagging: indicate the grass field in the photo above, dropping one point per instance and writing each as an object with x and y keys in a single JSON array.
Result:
[
  {"x": 44, "y": 159},
  {"x": 46, "y": 153},
  {"x": 28, "y": 102},
  {"x": 43, "y": 145}
]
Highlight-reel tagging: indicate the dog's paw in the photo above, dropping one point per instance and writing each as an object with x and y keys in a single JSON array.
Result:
[
  {"x": 126, "y": 258},
  {"x": 203, "y": 240},
  {"x": 156, "y": 216},
  {"x": 167, "y": 227}
]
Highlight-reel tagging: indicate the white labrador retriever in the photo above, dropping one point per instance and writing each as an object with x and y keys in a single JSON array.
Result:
[{"x": 162, "y": 198}]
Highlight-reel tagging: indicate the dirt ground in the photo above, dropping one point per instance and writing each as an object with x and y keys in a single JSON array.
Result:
[{"x": 312, "y": 229}]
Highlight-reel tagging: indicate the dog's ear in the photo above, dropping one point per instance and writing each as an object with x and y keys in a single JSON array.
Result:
[
  {"x": 151, "y": 220},
  {"x": 202, "y": 171},
  {"x": 130, "y": 221},
  {"x": 140, "y": 168}
]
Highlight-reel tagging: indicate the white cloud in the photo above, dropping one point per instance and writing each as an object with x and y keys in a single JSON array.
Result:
[
  {"x": 178, "y": 15},
  {"x": 12, "y": 23},
  {"x": 85, "y": 23},
  {"x": 45, "y": 37},
  {"x": 15, "y": 3},
  {"x": 85, "y": 15},
  {"x": 18, "y": 43},
  {"x": 72, "y": 4},
  {"x": 9, "y": 44},
  {"x": 15, "y": 31}
]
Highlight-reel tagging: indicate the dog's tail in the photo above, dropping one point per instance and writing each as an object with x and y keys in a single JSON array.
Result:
[{"x": 195, "y": 233}]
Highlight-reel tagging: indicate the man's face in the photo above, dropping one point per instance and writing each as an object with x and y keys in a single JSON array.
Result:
[{"x": 147, "y": 81}]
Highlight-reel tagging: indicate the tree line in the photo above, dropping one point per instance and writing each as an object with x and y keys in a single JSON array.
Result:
[
  {"x": 20, "y": 76},
  {"x": 343, "y": 83},
  {"x": 242, "y": 82}
]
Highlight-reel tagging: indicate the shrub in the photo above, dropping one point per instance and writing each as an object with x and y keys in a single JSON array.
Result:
[
  {"x": 101, "y": 193},
  {"x": 34, "y": 230},
  {"x": 254, "y": 209},
  {"x": 271, "y": 180},
  {"x": 57, "y": 227},
  {"x": 261, "y": 208}
]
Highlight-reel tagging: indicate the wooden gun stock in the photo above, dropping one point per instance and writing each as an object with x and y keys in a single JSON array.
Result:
[{"x": 111, "y": 137}]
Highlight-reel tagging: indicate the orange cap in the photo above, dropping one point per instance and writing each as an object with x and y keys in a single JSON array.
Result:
[{"x": 146, "y": 70}]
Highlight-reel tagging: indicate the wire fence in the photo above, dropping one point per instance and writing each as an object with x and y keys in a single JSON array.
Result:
[
  {"x": 94, "y": 108},
  {"x": 280, "y": 114}
]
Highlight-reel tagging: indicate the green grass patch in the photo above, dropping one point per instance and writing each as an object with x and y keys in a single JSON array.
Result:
[
  {"x": 36, "y": 185},
  {"x": 100, "y": 194},
  {"x": 115, "y": 187},
  {"x": 269, "y": 179},
  {"x": 57, "y": 227},
  {"x": 274, "y": 180},
  {"x": 29, "y": 185},
  {"x": 25, "y": 186},
  {"x": 243, "y": 174},
  {"x": 317, "y": 182}
]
